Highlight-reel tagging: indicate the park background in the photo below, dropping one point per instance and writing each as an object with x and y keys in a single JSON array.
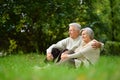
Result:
[{"x": 31, "y": 26}]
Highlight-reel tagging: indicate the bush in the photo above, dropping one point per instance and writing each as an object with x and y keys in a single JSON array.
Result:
[
  {"x": 12, "y": 46},
  {"x": 112, "y": 48}
]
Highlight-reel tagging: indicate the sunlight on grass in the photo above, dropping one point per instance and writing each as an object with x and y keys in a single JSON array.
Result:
[{"x": 32, "y": 67}]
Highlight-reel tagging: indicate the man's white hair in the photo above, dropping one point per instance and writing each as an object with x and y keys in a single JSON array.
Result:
[{"x": 76, "y": 25}]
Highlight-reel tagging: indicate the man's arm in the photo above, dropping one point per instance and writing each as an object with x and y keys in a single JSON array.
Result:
[
  {"x": 59, "y": 45},
  {"x": 97, "y": 44}
]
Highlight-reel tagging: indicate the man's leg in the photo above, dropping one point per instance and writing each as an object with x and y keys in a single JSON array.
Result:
[
  {"x": 59, "y": 56},
  {"x": 55, "y": 52}
]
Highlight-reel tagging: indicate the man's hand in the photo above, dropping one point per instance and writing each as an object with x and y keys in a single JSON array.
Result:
[
  {"x": 49, "y": 57},
  {"x": 96, "y": 44}
]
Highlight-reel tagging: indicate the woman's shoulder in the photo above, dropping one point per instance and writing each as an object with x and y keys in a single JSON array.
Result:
[
  {"x": 88, "y": 44},
  {"x": 92, "y": 41}
]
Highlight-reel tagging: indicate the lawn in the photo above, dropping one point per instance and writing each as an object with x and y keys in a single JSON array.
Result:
[{"x": 27, "y": 67}]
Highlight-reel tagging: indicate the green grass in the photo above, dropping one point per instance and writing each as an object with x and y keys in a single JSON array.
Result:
[{"x": 23, "y": 67}]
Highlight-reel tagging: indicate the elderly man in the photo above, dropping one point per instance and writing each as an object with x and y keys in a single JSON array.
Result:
[{"x": 70, "y": 43}]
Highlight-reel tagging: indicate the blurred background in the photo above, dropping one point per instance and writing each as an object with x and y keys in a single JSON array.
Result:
[{"x": 33, "y": 25}]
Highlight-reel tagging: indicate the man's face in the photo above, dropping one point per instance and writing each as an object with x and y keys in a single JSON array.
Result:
[{"x": 73, "y": 32}]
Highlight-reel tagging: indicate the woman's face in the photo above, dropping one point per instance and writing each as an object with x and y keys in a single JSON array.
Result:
[
  {"x": 85, "y": 36},
  {"x": 73, "y": 32}
]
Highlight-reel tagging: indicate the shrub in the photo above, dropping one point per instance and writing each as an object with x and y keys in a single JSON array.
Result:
[
  {"x": 12, "y": 46},
  {"x": 112, "y": 48}
]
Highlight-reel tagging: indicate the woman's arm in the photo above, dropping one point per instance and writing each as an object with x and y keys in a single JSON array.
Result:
[
  {"x": 76, "y": 54},
  {"x": 86, "y": 51},
  {"x": 81, "y": 52}
]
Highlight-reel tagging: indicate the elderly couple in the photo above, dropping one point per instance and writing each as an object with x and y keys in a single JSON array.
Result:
[{"x": 79, "y": 49}]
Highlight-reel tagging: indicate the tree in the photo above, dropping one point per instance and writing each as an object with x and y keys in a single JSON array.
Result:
[{"x": 35, "y": 25}]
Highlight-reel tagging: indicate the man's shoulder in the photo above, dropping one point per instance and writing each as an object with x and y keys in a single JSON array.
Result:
[
  {"x": 68, "y": 38},
  {"x": 65, "y": 39}
]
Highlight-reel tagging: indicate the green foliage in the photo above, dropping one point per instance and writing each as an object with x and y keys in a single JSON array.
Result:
[
  {"x": 112, "y": 48},
  {"x": 115, "y": 20},
  {"x": 99, "y": 21},
  {"x": 35, "y": 25},
  {"x": 12, "y": 46}
]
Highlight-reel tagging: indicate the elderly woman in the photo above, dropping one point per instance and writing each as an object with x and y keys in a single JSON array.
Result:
[{"x": 84, "y": 54}]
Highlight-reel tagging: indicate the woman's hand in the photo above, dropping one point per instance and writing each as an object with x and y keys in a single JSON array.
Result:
[{"x": 64, "y": 56}]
